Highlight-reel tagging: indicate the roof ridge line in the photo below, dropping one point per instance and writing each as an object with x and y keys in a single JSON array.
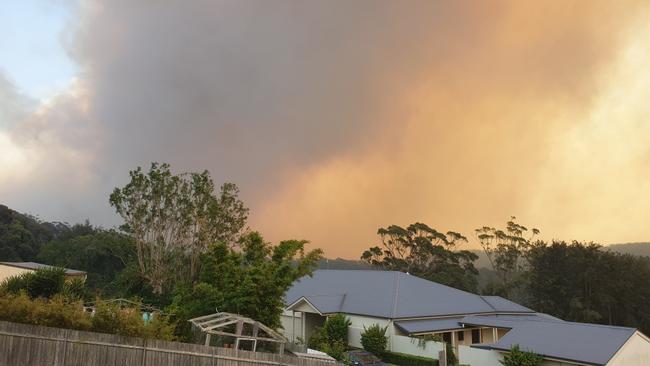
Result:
[
  {"x": 488, "y": 303},
  {"x": 395, "y": 294}
]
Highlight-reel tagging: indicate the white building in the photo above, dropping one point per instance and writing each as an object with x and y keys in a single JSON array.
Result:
[{"x": 480, "y": 328}]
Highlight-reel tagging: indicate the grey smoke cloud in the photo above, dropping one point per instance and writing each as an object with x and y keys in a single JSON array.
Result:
[{"x": 334, "y": 117}]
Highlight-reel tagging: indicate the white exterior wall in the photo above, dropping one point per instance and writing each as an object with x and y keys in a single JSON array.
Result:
[
  {"x": 478, "y": 357},
  {"x": 357, "y": 327},
  {"x": 287, "y": 320},
  {"x": 411, "y": 346},
  {"x": 396, "y": 343},
  {"x": 636, "y": 351}
]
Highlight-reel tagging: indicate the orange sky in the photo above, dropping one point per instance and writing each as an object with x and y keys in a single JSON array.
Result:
[{"x": 337, "y": 118}]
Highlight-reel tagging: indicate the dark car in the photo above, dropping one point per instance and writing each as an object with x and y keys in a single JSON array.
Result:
[{"x": 364, "y": 358}]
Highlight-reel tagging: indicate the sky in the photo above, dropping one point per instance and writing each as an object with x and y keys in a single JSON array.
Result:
[{"x": 336, "y": 118}]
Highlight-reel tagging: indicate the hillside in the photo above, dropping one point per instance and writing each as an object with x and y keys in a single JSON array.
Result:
[
  {"x": 21, "y": 236},
  {"x": 642, "y": 248}
]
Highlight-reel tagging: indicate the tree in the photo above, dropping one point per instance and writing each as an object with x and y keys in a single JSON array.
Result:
[
  {"x": 21, "y": 236},
  {"x": 506, "y": 250},
  {"x": 173, "y": 219},
  {"x": 517, "y": 357},
  {"x": 425, "y": 252},
  {"x": 583, "y": 282},
  {"x": 250, "y": 280},
  {"x": 373, "y": 339},
  {"x": 102, "y": 254}
]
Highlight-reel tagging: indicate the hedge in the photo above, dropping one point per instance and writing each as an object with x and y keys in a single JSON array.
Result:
[{"x": 402, "y": 359}]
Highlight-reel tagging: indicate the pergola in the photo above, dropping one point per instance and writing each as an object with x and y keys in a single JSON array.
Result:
[{"x": 245, "y": 329}]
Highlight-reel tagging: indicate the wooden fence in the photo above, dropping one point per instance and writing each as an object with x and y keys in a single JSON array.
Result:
[{"x": 31, "y": 345}]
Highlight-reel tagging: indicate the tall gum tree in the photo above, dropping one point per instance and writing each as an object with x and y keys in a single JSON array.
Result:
[{"x": 174, "y": 218}]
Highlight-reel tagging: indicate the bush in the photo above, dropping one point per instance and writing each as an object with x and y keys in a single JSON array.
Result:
[
  {"x": 374, "y": 339},
  {"x": 61, "y": 312},
  {"x": 109, "y": 318},
  {"x": 402, "y": 359},
  {"x": 336, "y": 329},
  {"x": 14, "y": 284},
  {"x": 332, "y": 338},
  {"x": 45, "y": 282},
  {"x": 517, "y": 357}
]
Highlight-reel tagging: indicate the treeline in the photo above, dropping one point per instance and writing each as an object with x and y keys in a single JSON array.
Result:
[
  {"x": 184, "y": 247},
  {"x": 574, "y": 281}
]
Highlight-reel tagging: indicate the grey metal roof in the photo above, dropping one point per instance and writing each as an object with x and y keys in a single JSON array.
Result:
[
  {"x": 585, "y": 343},
  {"x": 507, "y": 321},
  {"x": 429, "y": 325},
  {"x": 35, "y": 266},
  {"x": 492, "y": 320},
  {"x": 390, "y": 294}
]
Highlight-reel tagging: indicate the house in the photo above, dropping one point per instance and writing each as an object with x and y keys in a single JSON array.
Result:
[
  {"x": 10, "y": 269},
  {"x": 480, "y": 328}
]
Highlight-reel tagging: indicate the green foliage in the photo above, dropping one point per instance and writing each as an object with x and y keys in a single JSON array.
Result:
[
  {"x": 336, "y": 349},
  {"x": 373, "y": 339},
  {"x": 250, "y": 281},
  {"x": 507, "y": 252},
  {"x": 451, "y": 356},
  {"x": 332, "y": 337},
  {"x": 585, "y": 283},
  {"x": 45, "y": 282},
  {"x": 517, "y": 357},
  {"x": 174, "y": 218},
  {"x": 402, "y": 359},
  {"x": 74, "y": 289},
  {"x": 103, "y": 254},
  {"x": 336, "y": 329},
  {"x": 21, "y": 236},
  {"x": 61, "y": 312},
  {"x": 427, "y": 253},
  {"x": 15, "y": 284}
]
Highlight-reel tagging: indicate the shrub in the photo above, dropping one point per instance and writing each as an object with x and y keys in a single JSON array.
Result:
[
  {"x": 46, "y": 282},
  {"x": 74, "y": 289},
  {"x": 374, "y": 339},
  {"x": 317, "y": 338},
  {"x": 59, "y": 313},
  {"x": 517, "y": 357},
  {"x": 336, "y": 328},
  {"x": 17, "y": 308},
  {"x": 14, "y": 284},
  {"x": 332, "y": 338},
  {"x": 335, "y": 349},
  {"x": 402, "y": 359}
]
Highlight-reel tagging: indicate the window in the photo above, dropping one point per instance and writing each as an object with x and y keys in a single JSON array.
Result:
[
  {"x": 461, "y": 336},
  {"x": 446, "y": 337},
  {"x": 476, "y": 336}
]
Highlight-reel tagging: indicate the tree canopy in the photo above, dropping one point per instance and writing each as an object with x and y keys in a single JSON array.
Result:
[
  {"x": 425, "y": 252},
  {"x": 251, "y": 280},
  {"x": 173, "y": 218}
]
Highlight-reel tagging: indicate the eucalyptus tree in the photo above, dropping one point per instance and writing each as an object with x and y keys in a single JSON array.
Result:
[
  {"x": 425, "y": 252},
  {"x": 507, "y": 252},
  {"x": 173, "y": 218}
]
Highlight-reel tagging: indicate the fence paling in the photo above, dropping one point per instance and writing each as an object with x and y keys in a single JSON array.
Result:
[{"x": 99, "y": 346}]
